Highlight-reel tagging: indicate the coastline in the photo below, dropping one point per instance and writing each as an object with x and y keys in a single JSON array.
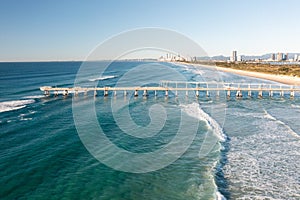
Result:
[{"x": 289, "y": 80}]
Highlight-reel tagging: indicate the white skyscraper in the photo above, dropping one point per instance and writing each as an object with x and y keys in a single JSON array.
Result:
[
  {"x": 295, "y": 57},
  {"x": 234, "y": 56}
]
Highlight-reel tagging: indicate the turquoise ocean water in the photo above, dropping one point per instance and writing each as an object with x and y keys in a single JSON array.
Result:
[{"x": 256, "y": 154}]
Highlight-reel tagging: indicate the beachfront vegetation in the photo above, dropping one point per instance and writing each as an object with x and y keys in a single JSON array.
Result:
[{"x": 286, "y": 69}]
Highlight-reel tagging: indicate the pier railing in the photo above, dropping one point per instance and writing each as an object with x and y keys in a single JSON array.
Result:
[{"x": 237, "y": 89}]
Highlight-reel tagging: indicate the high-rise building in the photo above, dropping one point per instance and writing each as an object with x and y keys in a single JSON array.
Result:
[
  {"x": 279, "y": 56},
  {"x": 283, "y": 57},
  {"x": 273, "y": 57},
  {"x": 234, "y": 56},
  {"x": 295, "y": 57},
  {"x": 240, "y": 58}
]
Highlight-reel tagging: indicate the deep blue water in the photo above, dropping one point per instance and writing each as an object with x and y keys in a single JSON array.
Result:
[{"x": 43, "y": 157}]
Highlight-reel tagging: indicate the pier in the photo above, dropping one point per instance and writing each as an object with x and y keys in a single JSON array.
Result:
[{"x": 230, "y": 89}]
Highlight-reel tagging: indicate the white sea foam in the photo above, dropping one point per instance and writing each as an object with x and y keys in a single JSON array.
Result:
[
  {"x": 241, "y": 113},
  {"x": 14, "y": 105},
  {"x": 195, "y": 111},
  {"x": 197, "y": 71},
  {"x": 34, "y": 97},
  {"x": 219, "y": 196},
  {"x": 101, "y": 78},
  {"x": 180, "y": 65},
  {"x": 23, "y": 115},
  {"x": 25, "y": 119},
  {"x": 289, "y": 129},
  {"x": 295, "y": 106},
  {"x": 269, "y": 116},
  {"x": 264, "y": 164},
  {"x": 190, "y": 68}
]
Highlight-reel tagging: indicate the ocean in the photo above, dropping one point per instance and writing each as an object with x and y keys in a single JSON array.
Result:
[{"x": 245, "y": 148}]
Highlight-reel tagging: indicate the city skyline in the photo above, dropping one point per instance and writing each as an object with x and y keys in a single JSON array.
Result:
[
  {"x": 237, "y": 57},
  {"x": 67, "y": 30}
]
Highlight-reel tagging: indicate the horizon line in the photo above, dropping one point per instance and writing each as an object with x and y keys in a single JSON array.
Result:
[{"x": 19, "y": 61}]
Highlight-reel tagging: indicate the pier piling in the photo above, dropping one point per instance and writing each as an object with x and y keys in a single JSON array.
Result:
[
  {"x": 239, "y": 93},
  {"x": 46, "y": 93},
  {"x": 145, "y": 93},
  {"x": 207, "y": 93},
  {"x": 65, "y": 92},
  {"x": 106, "y": 93},
  {"x": 136, "y": 93},
  {"x": 196, "y": 87},
  {"x": 167, "y": 93},
  {"x": 197, "y": 93},
  {"x": 228, "y": 93}
]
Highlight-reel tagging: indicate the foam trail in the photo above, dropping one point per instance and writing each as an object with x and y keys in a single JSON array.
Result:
[
  {"x": 102, "y": 78},
  {"x": 195, "y": 111},
  {"x": 34, "y": 97},
  {"x": 14, "y": 105},
  {"x": 295, "y": 106},
  {"x": 290, "y": 130},
  {"x": 25, "y": 119},
  {"x": 219, "y": 196},
  {"x": 192, "y": 69}
]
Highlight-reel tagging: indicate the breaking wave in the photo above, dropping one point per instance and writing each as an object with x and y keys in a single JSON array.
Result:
[
  {"x": 101, "y": 78},
  {"x": 14, "y": 105},
  {"x": 290, "y": 130},
  {"x": 295, "y": 106},
  {"x": 195, "y": 111},
  {"x": 34, "y": 97}
]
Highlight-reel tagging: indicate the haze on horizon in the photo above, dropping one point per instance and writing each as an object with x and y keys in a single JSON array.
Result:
[{"x": 70, "y": 30}]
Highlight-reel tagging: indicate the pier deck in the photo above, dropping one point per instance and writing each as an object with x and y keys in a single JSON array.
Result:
[{"x": 175, "y": 86}]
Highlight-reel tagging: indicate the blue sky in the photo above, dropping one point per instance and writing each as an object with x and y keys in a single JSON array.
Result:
[{"x": 69, "y": 30}]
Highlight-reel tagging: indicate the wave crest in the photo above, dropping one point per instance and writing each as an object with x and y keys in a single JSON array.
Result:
[
  {"x": 14, "y": 105},
  {"x": 289, "y": 129},
  {"x": 101, "y": 78},
  {"x": 195, "y": 111}
]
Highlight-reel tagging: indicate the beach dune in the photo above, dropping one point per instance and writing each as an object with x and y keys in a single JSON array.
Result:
[{"x": 289, "y": 80}]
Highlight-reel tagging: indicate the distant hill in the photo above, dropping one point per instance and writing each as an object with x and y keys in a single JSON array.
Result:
[
  {"x": 267, "y": 56},
  {"x": 220, "y": 57},
  {"x": 245, "y": 57}
]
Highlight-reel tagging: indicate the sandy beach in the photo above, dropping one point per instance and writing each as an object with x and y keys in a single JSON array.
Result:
[{"x": 289, "y": 80}]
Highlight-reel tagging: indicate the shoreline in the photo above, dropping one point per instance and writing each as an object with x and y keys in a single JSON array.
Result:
[{"x": 289, "y": 80}]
